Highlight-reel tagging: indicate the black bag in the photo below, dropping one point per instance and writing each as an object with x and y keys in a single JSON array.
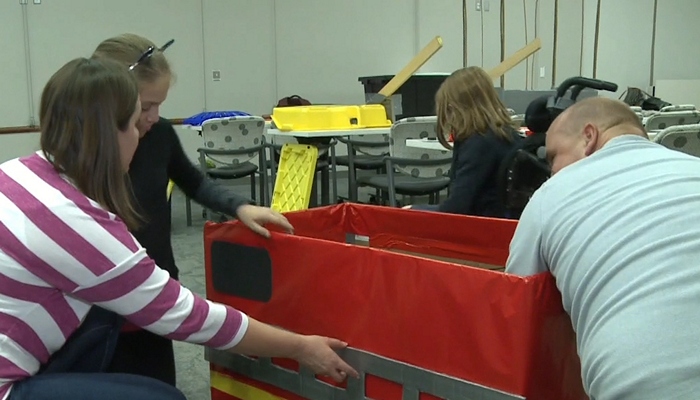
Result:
[
  {"x": 292, "y": 101},
  {"x": 636, "y": 97},
  {"x": 654, "y": 103},
  {"x": 522, "y": 171}
]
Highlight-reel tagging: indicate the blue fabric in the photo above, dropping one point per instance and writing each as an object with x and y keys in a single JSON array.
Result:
[
  {"x": 198, "y": 119},
  {"x": 76, "y": 371},
  {"x": 91, "y": 347},
  {"x": 92, "y": 386}
]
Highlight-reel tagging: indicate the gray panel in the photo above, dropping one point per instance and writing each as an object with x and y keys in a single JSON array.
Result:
[
  {"x": 518, "y": 100},
  {"x": 585, "y": 93},
  {"x": 396, "y": 102},
  {"x": 499, "y": 92},
  {"x": 414, "y": 380}
]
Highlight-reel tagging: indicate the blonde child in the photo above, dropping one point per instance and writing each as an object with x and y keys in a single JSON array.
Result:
[{"x": 470, "y": 111}]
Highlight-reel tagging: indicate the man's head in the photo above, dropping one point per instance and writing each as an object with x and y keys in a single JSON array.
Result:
[{"x": 586, "y": 127}]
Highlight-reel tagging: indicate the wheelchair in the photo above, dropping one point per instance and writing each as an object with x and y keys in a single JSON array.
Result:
[{"x": 526, "y": 168}]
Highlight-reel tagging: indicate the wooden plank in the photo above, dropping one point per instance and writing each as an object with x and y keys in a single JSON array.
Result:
[
  {"x": 518, "y": 57},
  {"x": 421, "y": 58}
]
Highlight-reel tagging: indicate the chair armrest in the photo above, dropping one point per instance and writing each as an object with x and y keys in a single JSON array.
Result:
[
  {"x": 361, "y": 143},
  {"x": 417, "y": 162},
  {"x": 222, "y": 152}
]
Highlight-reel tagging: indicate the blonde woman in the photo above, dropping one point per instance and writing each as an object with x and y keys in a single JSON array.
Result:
[{"x": 158, "y": 159}]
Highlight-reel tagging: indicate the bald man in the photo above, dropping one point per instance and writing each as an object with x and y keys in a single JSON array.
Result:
[{"x": 618, "y": 225}]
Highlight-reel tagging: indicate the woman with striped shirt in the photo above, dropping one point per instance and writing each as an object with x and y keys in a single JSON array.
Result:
[{"x": 71, "y": 273}]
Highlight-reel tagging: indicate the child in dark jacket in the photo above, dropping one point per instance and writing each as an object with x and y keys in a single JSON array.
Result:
[{"x": 469, "y": 109}]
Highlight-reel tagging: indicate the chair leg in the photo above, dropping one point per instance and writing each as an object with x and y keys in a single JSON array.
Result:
[
  {"x": 352, "y": 176},
  {"x": 392, "y": 188},
  {"x": 350, "y": 185},
  {"x": 313, "y": 202},
  {"x": 273, "y": 179},
  {"x": 325, "y": 187},
  {"x": 392, "y": 194},
  {"x": 377, "y": 192},
  {"x": 262, "y": 170},
  {"x": 353, "y": 188},
  {"x": 188, "y": 210},
  {"x": 334, "y": 176},
  {"x": 263, "y": 192},
  {"x": 252, "y": 187}
]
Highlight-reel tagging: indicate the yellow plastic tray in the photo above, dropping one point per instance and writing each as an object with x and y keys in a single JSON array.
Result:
[
  {"x": 319, "y": 118},
  {"x": 295, "y": 177}
]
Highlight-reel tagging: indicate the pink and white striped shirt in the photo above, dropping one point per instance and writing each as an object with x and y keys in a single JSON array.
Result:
[{"x": 60, "y": 253}]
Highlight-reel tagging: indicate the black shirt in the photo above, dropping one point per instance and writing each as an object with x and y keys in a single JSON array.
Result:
[
  {"x": 474, "y": 183},
  {"x": 158, "y": 158}
]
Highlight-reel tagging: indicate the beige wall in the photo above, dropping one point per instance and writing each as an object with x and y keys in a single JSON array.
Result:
[{"x": 267, "y": 49}]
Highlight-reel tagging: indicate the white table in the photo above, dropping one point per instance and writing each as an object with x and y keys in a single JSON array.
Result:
[
  {"x": 331, "y": 133},
  {"x": 429, "y": 144},
  {"x": 313, "y": 134},
  {"x": 434, "y": 144}
]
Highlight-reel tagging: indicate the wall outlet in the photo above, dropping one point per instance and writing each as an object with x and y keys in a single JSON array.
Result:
[
  {"x": 487, "y": 5},
  {"x": 216, "y": 75},
  {"x": 543, "y": 72},
  {"x": 37, "y": 1},
  {"x": 478, "y": 5}
]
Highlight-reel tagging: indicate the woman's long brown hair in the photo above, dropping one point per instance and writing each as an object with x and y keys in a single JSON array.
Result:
[
  {"x": 84, "y": 106},
  {"x": 468, "y": 104}
]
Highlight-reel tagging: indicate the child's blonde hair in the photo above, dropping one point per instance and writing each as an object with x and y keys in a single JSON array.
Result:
[
  {"x": 468, "y": 104},
  {"x": 127, "y": 49}
]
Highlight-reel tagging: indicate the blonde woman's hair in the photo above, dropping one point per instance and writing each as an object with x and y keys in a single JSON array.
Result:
[
  {"x": 127, "y": 49},
  {"x": 467, "y": 104}
]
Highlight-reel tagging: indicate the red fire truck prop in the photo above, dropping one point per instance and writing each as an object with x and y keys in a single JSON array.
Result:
[{"x": 395, "y": 285}]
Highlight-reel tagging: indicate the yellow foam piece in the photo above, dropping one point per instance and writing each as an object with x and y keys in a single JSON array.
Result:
[
  {"x": 169, "y": 191},
  {"x": 295, "y": 177},
  {"x": 314, "y": 118}
]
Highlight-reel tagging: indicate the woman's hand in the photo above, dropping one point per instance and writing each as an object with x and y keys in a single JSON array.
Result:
[
  {"x": 254, "y": 217},
  {"x": 318, "y": 354},
  {"x": 314, "y": 352}
]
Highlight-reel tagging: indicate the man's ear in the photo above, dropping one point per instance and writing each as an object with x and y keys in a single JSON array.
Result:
[{"x": 591, "y": 135}]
